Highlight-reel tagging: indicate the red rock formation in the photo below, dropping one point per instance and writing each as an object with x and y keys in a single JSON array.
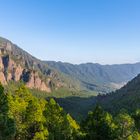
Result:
[
  {"x": 1, "y": 64},
  {"x": 36, "y": 82},
  {"x": 15, "y": 64},
  {"x": 18, "y": 73},
  {"x": 2, "y": 78},
  {"x": 9, "y": 70}
]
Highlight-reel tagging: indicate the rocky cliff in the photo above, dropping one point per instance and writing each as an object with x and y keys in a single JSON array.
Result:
[{"x": 18, "y": 65}]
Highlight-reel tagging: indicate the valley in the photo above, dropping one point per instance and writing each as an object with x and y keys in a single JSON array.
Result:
[
  {"x": 77, "y": 88},
  {"x": 69, "y": 70},
  {"x": 76, "y": 93}
]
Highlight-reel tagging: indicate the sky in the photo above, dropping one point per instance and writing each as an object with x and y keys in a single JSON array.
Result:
[{"x": 75, "y": 31}]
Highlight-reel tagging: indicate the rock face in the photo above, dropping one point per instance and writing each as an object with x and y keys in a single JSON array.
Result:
[
  {"x": 2, "y": 78},
  {"x": 34, "y": 81},
  {"x": 17, "y": 73},
  {"x": 9, "y": 70},
  {"x": 1, "y": 64},
  {"x": 17, "y": 65}
]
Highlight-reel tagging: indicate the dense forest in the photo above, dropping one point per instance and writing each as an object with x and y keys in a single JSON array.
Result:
[
  {"x": 26, "y": 117},
  {"x": 128, "y": 97}
]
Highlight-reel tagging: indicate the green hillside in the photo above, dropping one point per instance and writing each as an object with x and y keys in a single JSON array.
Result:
[
  {"x": 127, "y": 98},
  {"x": 23, "y": 116},
  {"x": 96, "y": 77}
]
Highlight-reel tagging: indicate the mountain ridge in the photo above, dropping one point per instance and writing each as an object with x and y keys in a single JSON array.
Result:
[
  {"x": 84, "y": 63},
  {"x": 51, "y": 75},
  {"x": 101, "y": 78}
]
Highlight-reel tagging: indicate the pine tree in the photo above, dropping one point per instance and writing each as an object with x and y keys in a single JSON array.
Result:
[
  {"x": 7, "y": 124},
  {"x": 99, "y": 125}
]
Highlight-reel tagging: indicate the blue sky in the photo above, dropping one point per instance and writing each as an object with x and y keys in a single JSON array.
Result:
[{"x": 76, "y": 31}]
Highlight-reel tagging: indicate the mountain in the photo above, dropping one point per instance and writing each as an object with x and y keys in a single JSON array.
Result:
[
  {"x": 128, "y": 97},
  {"x": 101, "y": 78},
  {"x": 57, "y": 77},
  {"x": 17, "y": 65}
]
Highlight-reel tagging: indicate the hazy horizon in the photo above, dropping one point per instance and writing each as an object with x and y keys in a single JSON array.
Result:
[{"x": 74, "y": 31}]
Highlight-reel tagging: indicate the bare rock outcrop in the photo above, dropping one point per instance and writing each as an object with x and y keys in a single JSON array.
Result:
[
  {"x": 2, "y": 78},
  {"x": 17, "y": 73},
  {"x": 1, "y": 63},
  {"x": 10, "y": 70},
  {"x": 32, "y": 80}
]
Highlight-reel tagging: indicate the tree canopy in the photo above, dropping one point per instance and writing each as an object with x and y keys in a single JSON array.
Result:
[{"x": 26, "y": 117}]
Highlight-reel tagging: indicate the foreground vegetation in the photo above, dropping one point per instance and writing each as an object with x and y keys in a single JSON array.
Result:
[{"x": 25, "y": 117}]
